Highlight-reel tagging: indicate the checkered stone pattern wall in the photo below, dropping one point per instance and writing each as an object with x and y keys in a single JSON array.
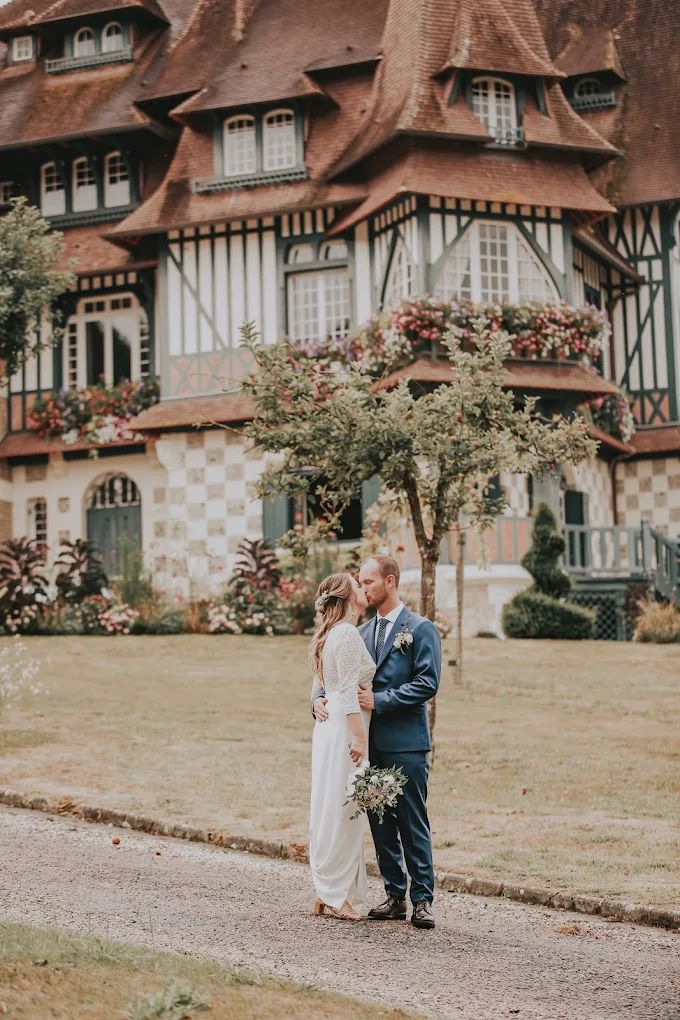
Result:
[
  {"x": 516, "y": 493},
  {"x": 593, "y": 478},
  {"x": 207, "y": 507},
  {"x": 649, "y": 490}
]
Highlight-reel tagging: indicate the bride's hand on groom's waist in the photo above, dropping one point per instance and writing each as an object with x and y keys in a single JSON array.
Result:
[{"x": 366, "y": 699}]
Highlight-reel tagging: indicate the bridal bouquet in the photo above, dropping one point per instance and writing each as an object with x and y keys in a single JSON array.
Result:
[{"x": 374, "y": 789}]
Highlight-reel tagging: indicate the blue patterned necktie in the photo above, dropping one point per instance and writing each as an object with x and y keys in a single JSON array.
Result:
[{"x": 380, "y": 641}]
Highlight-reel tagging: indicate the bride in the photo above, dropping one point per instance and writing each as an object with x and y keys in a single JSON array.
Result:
[{"x": 341, "y": 663}]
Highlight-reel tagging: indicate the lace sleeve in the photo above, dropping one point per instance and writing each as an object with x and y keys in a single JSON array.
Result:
[{"x": 348, "y": 664}]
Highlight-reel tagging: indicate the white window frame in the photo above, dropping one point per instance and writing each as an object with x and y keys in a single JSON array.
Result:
[
  {"x": 400, "y": 278},
  {"x": 83, "y": 196},
  {"x": 497, "y": 109},
  {"x": 23, "y": 49},
  {"x": 278, "y": 138},
  {"x": 106, "y": 48},
  {"x": 468, "y": 251},
  {"x": 320, "y": 276},
  {"x": 36, "y": 521},
  {"x": 581, "y": 93},
  {"x": 101, "y": 308},
  {"x": 239, "y": 158},
  {"x": 52, "y": 200},
  {"x": 81, "y": 39},
  {"x": 116, "y": 192}
]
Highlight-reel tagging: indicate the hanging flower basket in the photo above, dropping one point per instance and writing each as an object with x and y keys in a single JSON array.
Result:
[{"x": 97, "y": 414}]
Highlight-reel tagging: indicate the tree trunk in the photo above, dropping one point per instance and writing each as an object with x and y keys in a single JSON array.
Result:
[
  {"x": 428, "y": 574},
  {"x": 460, "y": 594}
]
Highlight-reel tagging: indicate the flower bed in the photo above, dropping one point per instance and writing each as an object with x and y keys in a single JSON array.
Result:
[
  {"x": 551, "y": 331},
  {"x": 97, "y": 414}
]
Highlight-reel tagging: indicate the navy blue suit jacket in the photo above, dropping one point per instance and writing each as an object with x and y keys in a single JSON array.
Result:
[{"x": 404, "y": 681}]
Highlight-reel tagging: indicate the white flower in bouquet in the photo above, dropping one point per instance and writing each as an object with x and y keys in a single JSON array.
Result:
[{"x": 374, "y": 789}]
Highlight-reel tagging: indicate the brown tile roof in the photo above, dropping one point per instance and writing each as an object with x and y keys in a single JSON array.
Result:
[
  {"x": 645, "y": 124},
  {"x": 93, "y": 254},
  {"x": 608, "y": 440},
  {"x": 658, "y": 439},
  {"x": 526, "y": 376},
  {"x": 38, "y": 107},
  {"x": 23, "y": 14},
  {"x": 223, "y": 409},
  {"x": 498, "y": 35},
  {"x": 590, "y": 52},
  {"x": 607, "y": 253},
  {"x": 28, "y": 444},
  {"x": 489, "y": 175}
]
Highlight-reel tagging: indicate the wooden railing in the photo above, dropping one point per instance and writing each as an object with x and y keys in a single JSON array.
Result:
[{"x": 615, "y": 551}]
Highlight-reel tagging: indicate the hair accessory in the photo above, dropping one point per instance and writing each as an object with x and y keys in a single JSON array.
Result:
[{"x": 321, "y": 601}]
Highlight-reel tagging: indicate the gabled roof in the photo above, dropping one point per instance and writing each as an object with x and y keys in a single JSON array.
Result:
[
  {"x": 590, "y": 52},
  {"x": 498, "y": 35},
  {"x": 645, "y": 123},
  {"x": 24, "y": 14},
  {"x": 190, "y": 412}
]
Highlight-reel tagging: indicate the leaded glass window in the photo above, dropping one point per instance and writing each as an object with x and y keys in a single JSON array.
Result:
[
  {"x": 240, "y": 148},
  {"x": 493, "y": 262},
  {"x": 279, "y": 143}
]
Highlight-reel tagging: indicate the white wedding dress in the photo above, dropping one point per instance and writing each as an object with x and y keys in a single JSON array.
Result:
[{"x": 336, "y": 853}]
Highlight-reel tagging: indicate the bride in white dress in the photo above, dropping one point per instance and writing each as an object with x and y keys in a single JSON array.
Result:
[{"x": 341, "y": 664}]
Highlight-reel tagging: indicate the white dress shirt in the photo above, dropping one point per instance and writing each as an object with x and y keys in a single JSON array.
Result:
[{"x": 391, "y": 618}]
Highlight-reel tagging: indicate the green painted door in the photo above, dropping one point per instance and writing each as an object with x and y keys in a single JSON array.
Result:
[{"x": 111, "y": 529}]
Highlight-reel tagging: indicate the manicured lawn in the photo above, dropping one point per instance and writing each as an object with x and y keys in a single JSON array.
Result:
[
  {"x": 557, "y": 762},
  {"x": 46, "y": 974}
]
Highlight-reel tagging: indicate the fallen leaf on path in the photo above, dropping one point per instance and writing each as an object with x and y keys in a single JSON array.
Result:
[{"x": 571, "y": 929}]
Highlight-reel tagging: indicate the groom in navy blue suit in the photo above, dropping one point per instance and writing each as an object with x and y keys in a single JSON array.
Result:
[{"x": 407, "y": 650}]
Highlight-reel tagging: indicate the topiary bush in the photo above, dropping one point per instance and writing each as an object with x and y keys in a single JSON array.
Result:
[
  {"x": 531, "y": 614},
  {"x": 540, "y": 611}
]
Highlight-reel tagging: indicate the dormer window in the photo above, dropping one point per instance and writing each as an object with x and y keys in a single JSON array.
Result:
[
  {"x": 84, "y": 43},
  {"x": 22, "y": 49},
  {"x": 257, "y": 148},
  {"x": 494, "y": 102},
  {"x": 52, "y": 192},
  {"x": 112, "y": 38},
  {"x": 278, "y": 140},
  {"x": 84, "y": 185},
  {"x": 590, "y": 94},
  {"x": 240, "y": 146}
]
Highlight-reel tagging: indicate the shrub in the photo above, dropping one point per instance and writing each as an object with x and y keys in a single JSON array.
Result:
[
  {"x": 80, "y": 571},
  {"x": 95, "y": 614},
  {"x": 542, "y": 559},
  {"x": 657, "y": 622},
  {"x": 531, "y": 614},
  {"x": 23, "y": 585}
]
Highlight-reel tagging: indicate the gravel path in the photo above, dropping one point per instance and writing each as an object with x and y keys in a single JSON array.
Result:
[{"x": 487, "y": 958}]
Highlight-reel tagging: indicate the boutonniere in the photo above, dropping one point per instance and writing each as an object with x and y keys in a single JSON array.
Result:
[{"x": 403, "y": 640}]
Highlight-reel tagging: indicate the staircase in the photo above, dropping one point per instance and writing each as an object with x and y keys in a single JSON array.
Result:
[{"x": 612, "y": 566}]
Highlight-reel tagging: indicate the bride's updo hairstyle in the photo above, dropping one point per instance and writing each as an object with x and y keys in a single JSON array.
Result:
[{"x": 332, "y": 602}]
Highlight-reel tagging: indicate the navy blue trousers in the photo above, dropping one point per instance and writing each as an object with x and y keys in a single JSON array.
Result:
[{"x": 404, "y": 833}]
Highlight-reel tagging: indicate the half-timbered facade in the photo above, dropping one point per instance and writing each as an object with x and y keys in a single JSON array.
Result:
[{"x": 249, "y": 160}]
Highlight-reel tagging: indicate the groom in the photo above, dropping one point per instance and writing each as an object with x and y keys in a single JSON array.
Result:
[{"x": 407, "y": 650}]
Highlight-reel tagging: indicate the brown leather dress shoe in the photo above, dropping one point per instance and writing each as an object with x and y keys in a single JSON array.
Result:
[
  {"x": 391, "y": 909},
  {"x": 422, "y": 916}
]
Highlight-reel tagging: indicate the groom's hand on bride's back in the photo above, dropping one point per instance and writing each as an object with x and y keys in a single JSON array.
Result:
[{"x": 320, "y": 710}]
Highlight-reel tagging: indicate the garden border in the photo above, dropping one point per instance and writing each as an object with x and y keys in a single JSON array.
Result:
[{"x": 614, "y": 910}]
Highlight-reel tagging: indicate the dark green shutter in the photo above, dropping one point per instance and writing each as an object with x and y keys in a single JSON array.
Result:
[{"x": 276, "y": 518}]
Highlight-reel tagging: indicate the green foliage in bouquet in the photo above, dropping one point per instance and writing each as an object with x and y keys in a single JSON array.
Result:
[{"x": 376, "y": 790}]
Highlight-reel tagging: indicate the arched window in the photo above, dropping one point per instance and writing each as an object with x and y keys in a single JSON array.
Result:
[
  {"x": 52, "y": 193},
  {"x": 590, "y": 94},
  {"x": 318, "y": 294},
  {"x": 240, "y": 150},
  {"x": 112, "y": 38},
  {"x": 113, "y": 491},
  {"x": 492, "y": 262},
  {"x": 116, "y": 180},
  {"x": 493, "y": 101},
  {"x": 84, "y": 43},
  {"x": 278, "y": 140},
  {"x": 400, "y": 276},
  {"x": 84, "y": 185}
]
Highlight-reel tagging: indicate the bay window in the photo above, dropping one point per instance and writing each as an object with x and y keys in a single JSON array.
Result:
[{"x": 106, "y": 341}]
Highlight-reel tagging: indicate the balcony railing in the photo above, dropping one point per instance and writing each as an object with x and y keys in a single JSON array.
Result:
[
  {"x": 60, "y": 65},
  {"x": 510, "y": 138},
  {"x": 596, "y": 101}
]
